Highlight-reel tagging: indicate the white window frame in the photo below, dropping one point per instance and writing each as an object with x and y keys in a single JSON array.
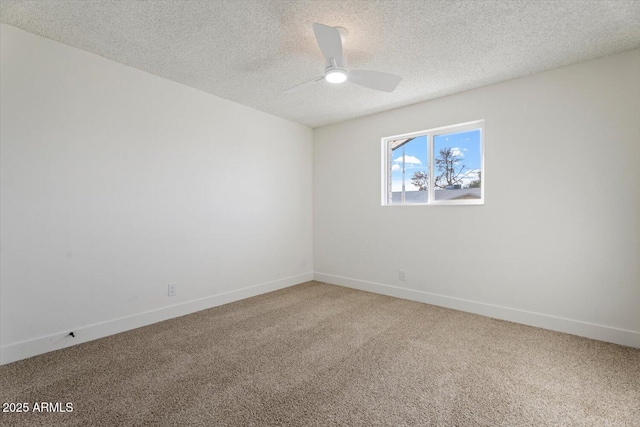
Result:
[{"x": 430, "y": 133}]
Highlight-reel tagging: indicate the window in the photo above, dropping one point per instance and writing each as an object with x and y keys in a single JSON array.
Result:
[{"x": 443, "y": 166}]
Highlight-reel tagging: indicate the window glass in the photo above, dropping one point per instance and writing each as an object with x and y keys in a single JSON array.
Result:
[
  {"x": 409, "y": 171},
  {"x": 457, "y": 165},
  {"x": 443, "y": 166}
]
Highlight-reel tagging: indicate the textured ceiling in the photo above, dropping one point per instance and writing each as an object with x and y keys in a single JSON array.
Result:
[{"x": 251, "y": 51}]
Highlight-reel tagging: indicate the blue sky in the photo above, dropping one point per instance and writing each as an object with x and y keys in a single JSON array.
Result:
[{"x": 465, "y": 144}]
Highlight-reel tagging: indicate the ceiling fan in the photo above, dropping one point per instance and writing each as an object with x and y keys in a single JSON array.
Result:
[{"x": 330, "y": 42}]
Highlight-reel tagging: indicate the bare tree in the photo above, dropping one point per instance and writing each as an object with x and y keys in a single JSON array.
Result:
[
  {"x": 421, "y": 180},
  {"x": 477, "y": 183},
  {"x": 451, "y": 171},
  {"x": 449, "y": 168}
]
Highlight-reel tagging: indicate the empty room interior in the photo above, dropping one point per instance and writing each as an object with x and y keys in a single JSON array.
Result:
[{"x": 315, "y": 213}]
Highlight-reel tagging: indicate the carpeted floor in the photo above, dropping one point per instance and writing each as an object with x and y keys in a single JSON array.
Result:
[{"x": 322, "y": 355}]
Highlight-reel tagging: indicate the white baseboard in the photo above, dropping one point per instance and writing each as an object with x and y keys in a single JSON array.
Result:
[
  {"x": 45, "y": 344},
  {"x": 560, "y": 324}
]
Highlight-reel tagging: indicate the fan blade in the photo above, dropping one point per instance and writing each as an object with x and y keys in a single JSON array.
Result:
[
  {"x": 330, "y": 43},
  {"x": 305, "y": 84},
  {"x": 375, "y": 80}
]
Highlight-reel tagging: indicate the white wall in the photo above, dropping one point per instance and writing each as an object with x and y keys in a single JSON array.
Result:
[
  {"x": 557, "y": 243},
  {"x": 115, "y": 183}
]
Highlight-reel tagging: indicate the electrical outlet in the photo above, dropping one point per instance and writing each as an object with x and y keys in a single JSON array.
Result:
[
  {"x": 402, "y": 275},
  {"x": 172, "y": 290}
]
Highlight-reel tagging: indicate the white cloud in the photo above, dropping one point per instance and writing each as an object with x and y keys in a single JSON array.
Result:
[
  {"x": 408, "y": 159},
  {"x": 456, "y": 151},
  {"x": 396, "y": 185},
  {"x": 395, "y": 167},
  {"x": 469, "y": 176}
]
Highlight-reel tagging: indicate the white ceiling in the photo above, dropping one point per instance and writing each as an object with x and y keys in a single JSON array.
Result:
[{"x": 251, "y": 51}]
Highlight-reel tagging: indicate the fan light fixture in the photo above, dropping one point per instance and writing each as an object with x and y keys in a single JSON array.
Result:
[
  {"x": 335, "y": 75},
  {"x": 330, "y": 40}
]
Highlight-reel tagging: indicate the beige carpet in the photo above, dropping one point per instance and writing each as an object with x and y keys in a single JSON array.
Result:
[{"x": 317, "y": 354}]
